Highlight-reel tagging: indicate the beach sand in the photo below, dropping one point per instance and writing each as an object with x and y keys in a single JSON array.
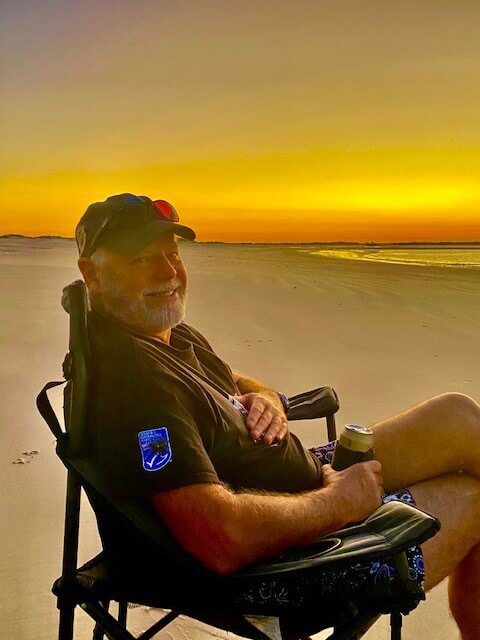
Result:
[{"x": 385, "y": 336}]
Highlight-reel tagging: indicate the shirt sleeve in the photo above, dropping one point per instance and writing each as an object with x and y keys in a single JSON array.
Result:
[{"x": 147, "y": 443}]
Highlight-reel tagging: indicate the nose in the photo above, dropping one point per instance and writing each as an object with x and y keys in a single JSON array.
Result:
[{"x": 164, "y": 270}]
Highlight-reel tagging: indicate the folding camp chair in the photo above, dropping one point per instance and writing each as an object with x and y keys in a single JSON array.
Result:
[{"x": 180, "y": 583}]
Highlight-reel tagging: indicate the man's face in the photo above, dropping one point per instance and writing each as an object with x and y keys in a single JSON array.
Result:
[{"x": 146, "y": 291}]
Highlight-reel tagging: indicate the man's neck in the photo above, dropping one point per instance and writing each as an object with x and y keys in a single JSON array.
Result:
[
  {"x": 163, "y": 336},
  {"x": 160, "y": 336}
]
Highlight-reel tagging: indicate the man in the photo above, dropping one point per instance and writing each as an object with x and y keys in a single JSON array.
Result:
[{"x": 210, "y": 448}]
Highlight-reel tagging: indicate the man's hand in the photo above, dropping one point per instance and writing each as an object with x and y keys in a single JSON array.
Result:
[
  {"x": 266, "y": 418},
  {"x": 358, "y": 489}
]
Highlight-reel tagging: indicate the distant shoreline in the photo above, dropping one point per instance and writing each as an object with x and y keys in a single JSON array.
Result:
[{"x": 336, "y": 242}]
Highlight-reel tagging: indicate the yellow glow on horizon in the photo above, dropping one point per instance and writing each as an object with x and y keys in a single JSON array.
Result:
[{"x": 278, "y": 198}]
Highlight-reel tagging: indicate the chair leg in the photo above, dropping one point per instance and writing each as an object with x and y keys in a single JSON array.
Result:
[
  {"x": 158, "y": 626},
  {"x": 356, "y": 628},
  {"x": 110, "y": 626},
  {"x": 396, "y": 626},
  {"x": 65, "y": 627},
  {"x": 70, "y": 550},
  {"x": 331, "y": 427},
  {"x": 98, "y": 632},
  {"x": 122, "y": 613}
]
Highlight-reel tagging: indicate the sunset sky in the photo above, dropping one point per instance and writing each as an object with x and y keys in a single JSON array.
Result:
[{"x": 259, "y": 120}]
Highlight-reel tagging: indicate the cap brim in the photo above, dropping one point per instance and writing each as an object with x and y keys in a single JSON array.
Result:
[{"x": 136, "y": 239}]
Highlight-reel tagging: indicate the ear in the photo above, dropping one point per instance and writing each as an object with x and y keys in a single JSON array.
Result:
[{"x": 89, "y": 272}]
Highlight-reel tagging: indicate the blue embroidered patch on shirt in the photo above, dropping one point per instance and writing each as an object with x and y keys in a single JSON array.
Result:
[{"x": 155, "y": 448}]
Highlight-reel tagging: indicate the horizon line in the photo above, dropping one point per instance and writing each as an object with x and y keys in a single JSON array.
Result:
[{"x": 344, "y": 242}]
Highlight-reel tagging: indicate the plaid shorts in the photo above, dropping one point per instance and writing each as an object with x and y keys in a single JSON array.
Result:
[{"x": 361, "y": 577}]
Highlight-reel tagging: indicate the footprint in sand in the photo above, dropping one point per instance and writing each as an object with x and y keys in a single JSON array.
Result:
[{"x": 29, "y": 455}]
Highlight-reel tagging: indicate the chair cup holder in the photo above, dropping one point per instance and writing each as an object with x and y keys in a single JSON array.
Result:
[{"x": 310, "y": 551}]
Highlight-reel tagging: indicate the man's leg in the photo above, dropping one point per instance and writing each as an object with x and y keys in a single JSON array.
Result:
[
  {"x": 423, "y": 449},
  {"x": 438, "y": 436},
  {"x": 455, "y": 550},
  {"x": 463, "y": 590}
]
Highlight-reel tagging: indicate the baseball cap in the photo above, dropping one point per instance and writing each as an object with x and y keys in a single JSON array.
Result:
[{"x": 126, "y": 223}]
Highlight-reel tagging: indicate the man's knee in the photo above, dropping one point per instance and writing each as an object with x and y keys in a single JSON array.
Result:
[{"x": 464, "y": 409}]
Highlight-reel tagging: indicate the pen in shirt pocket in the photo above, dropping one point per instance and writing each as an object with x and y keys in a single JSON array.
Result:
[{"x": 238, "y": 405}]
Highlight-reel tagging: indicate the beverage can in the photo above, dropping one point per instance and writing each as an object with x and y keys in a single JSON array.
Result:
[{"x": 355, "y": 444}]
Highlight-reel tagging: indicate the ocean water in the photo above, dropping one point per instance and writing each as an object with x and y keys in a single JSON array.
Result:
[{"x": 467, "y": 257}]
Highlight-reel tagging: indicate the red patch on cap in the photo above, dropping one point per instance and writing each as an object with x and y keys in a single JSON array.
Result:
[{"x": 165, "y": 211}]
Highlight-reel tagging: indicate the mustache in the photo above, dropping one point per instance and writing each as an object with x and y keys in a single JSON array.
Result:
[{"x": 175, "y": 284}]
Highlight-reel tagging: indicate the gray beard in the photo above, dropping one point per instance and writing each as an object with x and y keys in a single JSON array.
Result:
[{"x": 136, "y": 312}]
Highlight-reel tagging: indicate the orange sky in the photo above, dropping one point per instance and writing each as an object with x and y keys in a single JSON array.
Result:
[{"x": 260, "y": 121}]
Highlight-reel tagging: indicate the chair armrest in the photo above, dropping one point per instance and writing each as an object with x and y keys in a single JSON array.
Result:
[
  {"x": 391, "y": 529},
  {"x": 317, "y": 403}
]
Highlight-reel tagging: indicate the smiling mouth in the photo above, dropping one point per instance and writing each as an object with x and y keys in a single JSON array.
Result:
[{"x": 165, "y": 294}]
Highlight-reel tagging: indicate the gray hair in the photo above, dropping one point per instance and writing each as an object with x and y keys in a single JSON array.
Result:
[{"x": 99, "y": 257}]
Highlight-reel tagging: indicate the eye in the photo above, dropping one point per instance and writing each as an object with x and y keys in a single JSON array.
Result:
[
  {"x": 174, "y": 254},
  {"x": 141, "y": 259}
]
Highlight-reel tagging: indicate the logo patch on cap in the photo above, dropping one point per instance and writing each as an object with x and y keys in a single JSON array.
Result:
[
  {"x": 155, "y": 448},
  {"x": 133, "y": 200}
]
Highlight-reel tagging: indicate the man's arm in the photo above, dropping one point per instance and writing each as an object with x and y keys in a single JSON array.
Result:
[
  {"x": 246, "y": 384},
  {"x": 227, "y": 531},
  {"x": 266, "y": 417}
]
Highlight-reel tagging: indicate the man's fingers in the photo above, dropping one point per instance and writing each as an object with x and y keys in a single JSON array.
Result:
[
  {"x": 262, "y": 423},
  {"x": 256, "y": 411},
  {"x": 283, "y": 431},
  {"x": 274, "y": 430}
]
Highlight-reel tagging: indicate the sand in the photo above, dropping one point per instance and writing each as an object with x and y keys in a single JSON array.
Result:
[{"x": 385, "y": 336}]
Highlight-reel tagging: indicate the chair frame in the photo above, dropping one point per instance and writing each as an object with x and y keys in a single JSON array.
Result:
[{"x": 76, "y": 367}]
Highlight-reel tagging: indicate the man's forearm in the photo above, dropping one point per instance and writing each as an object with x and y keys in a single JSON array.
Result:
[
  {"x": 228, "y": 531},
  {"x": 246, "y": 384},
  {"x": 266, "y": 526}
]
